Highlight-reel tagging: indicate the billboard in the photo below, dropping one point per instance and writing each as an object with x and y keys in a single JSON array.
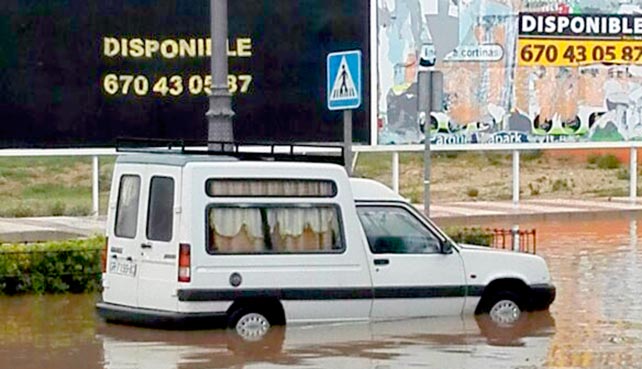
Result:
[
  {"x": 83, "y": 72},
  {"x": 516, "y": 71}
]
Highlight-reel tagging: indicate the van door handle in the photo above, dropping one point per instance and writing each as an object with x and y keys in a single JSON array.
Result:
[
  {"x": 146, "y": 245},
  {"x": 381, "y": 262}
]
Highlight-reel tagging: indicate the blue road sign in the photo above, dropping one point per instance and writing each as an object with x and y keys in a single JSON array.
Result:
[{"x": 344, "y": 86}]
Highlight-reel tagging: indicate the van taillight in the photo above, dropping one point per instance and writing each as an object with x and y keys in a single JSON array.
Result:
[
  {"x": 184, "y": 263},
  {"x": 103, "y": 255}
]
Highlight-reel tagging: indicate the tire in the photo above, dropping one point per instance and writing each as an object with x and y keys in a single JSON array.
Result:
[
  {"x": 593, "y": 118},
  {"x": 546, "y": 125},
  {"x": 573, "y": 125},
  {"x": 250, "y": 324},
  {"x": 433, "y": 123},
  {"x": 504, "y": 307}
]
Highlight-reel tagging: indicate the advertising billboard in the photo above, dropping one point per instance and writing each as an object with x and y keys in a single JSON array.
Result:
[
  {"x": 83, "y": 72},
  {"x": 520, "y": 70}
]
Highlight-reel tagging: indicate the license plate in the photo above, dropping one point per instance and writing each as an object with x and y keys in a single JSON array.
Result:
[{"x": 126, "y": 268}]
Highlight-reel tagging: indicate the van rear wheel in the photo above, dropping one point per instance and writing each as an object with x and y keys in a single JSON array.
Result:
[{"x": 251, "y": 325}]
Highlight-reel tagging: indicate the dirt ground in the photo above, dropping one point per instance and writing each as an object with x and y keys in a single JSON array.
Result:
[{"x": 487, "y": 176}]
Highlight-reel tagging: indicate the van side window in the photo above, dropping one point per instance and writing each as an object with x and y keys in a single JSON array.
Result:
[
  {"x": 160, "y": 215},
  {"x": 394, "y": 230},
  {"x": 226, "y": 187},
  {"x": 274, "y": 229},
  {"x": 127, "y": 208}
]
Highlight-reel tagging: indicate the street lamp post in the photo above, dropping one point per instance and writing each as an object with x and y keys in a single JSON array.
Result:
[{"x": 220, "y": 113}]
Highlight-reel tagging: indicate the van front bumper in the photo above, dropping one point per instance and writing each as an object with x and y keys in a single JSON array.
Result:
[
  {"x": 159, "y": 319},
  {"x": 542, "y": 296}
]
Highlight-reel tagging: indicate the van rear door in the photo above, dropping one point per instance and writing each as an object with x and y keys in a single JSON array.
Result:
[
  {"x": 124, "y": 225},
  {"x": 159, "y": 247}
]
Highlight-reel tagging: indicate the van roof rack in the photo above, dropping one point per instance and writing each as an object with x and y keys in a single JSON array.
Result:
[{"x": 261, "y": 151}]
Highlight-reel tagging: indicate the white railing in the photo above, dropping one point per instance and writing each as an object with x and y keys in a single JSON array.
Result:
[
  {"x": 95, "y": 153},
  {"x": 515, "y": 149}
]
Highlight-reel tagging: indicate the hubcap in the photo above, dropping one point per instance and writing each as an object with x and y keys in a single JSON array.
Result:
[
  {"x": 252, "y": 327},
  {"x": 505, "y": 312}
]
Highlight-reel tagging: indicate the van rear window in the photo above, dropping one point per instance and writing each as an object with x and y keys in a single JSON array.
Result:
[
  {"x": 312, "y": 228},
  {"x": 160, "y": 217},
  {"x": 127, "y": 208},
  {"x": 270, "y": 188}
]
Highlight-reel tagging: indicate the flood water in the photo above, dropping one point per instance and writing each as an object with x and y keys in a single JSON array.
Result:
[{"x": 596, "y": 322}]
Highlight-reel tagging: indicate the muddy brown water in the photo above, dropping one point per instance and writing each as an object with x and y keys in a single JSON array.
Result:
[{"x": 596, "y": 322}]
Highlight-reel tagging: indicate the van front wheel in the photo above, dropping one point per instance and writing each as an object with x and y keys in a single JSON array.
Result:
[
  {"x": 250, "y": 325},
  {"x": 504, "y": 307}
]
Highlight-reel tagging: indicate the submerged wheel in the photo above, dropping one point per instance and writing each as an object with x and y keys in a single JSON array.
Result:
[
  {"x": 505, "y": 312},
  {"x": 504, "y": 307},
  {"x": 250, "y": 325}
]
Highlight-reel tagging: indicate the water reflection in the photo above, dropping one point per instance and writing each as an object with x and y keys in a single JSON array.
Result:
[
  {"x": 48, "y": 332},
  {"x": 432, "y": 342},
  {"x": 595, "y": 263}
]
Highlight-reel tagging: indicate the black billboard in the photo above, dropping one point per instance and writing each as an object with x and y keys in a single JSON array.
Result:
[{"x": 78, "y": 73}]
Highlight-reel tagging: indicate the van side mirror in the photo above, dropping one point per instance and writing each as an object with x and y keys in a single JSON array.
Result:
[{"x": 446, "y": 247}]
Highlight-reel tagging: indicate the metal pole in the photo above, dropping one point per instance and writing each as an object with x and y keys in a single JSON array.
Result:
[
  {"x": 515, "y": 233},
  {"x": 220, "y": 111},
  {"x": 95, "y": 186},
  {"x": 424, "y": 90},
  {"x": 395, "y": 171},
  {"x": 633, "y": 174},
  {"x": 515, "y": 177},
  {"x": 347, "y": 140},
  {"x": 430, "y": 99},
  {"x": 355, "y": 158},
  {"x": 633, "y": 235}
]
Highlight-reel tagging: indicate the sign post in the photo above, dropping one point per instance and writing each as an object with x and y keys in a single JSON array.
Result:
[
  {"x": 220, "y": 111},
  {"x": 344, "y": 91},
  {"x": 430, "y": 99}
]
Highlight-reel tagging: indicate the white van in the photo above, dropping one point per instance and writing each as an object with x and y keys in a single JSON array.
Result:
[{"x": 198, "y": 239}]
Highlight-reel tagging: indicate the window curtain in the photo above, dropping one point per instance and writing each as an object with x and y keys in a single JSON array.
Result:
[
  {"x": 302, "y": 229},
  {"x": 293, "y": 221},
  {"x": 236, "y": 230},
  {"x": 229, "y": 221},
  {"x": 289, "y": 221},
  {"x": 266, "y": 188},
  {"x": 290, "y": 228}
]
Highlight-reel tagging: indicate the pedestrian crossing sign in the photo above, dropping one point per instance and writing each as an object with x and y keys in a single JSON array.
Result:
[{"x": 344, "y": 80}]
